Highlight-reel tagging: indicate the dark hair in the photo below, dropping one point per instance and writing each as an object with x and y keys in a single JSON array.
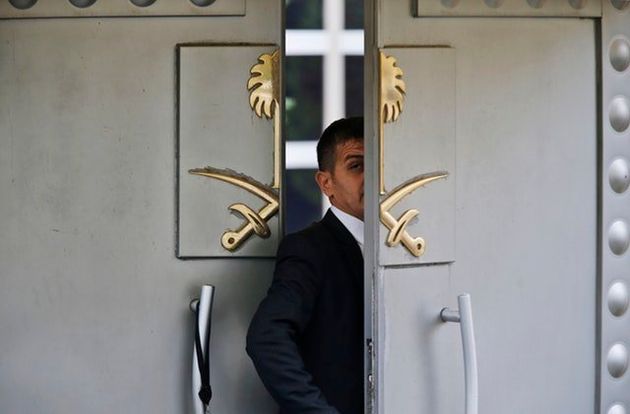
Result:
[{"x": 339, "y": 132}]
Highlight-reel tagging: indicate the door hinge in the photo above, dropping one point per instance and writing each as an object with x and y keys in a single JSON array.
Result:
[{"x": 370, "y": 374}]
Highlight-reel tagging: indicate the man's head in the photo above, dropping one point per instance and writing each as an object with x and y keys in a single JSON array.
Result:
[{"x": 340, "y": 159}]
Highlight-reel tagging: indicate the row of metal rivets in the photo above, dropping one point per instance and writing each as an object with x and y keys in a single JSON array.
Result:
[
  {"x": 27, "y": 4},
  {"x": 536, "y": 4},
  {"x": 618, "y": 235}
]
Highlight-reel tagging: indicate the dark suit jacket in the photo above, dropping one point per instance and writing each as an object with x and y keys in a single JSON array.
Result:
[{"x": 306, "y": 338}]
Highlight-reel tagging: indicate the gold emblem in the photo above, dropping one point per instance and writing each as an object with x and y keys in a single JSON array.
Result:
[
  {"x": 255, "y": 221},
  {"x": 391, "y": 105},
  {"x": 398, "y": 228},
  {"x": 393, "y": 88},
  {"x": 264, "y": 98},
  {"x": 263, "y": 85}
]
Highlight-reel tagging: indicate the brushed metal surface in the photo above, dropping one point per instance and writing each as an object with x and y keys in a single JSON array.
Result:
[
  {"x": 93, "y": 302},
  {"x": 526, "y": 118},
  {"x": 218, "y": 128},
  {"x": 422, "y": 141}
]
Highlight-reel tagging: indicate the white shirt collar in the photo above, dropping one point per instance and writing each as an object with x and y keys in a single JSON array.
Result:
[{"x": 353, "y": 224}]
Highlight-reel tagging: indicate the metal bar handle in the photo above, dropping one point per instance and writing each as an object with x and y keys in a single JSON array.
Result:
[
  {"x": 463, "y": 316},
  {"x": 203, "y": 305}
]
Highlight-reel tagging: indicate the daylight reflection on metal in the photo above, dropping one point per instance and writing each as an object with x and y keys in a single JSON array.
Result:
[{"x": 615, "y": 26}]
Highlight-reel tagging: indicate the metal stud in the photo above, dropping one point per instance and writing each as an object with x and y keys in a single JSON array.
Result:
[
  {"x": 617, "y": 360},
  {"x": 577, "y": 4},
  {"x": 142, "y": 3},
  {"x": 618, "y": 237},
  {"x": 615, "y": 284},
  {"x": 619, "y": 114},
  {"x": 617, "y": 298},
  {"x": 619, "y": 175},
  {"x": 620, "y": 54},
  {"x": 494, "y": 3},
  {"x": 22, "y": 4},
  {"x": 616, "y": 409},
  {"x": 82, "y": 3},
  {"x": 620, "y": 4},
  {"x": 537, "y": 4},
  {"x": 450, "y": 3},
  {"x": 202, "y": 3}
]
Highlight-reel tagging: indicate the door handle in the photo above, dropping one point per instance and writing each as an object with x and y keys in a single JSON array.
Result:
[
  {"x": 463, "y": 316},
  {"x": 202, "y": 308}
]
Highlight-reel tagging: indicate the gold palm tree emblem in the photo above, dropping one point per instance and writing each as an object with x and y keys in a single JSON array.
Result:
[
  {"x": 393, "y": 88},
  {"x": 391, "y": 103},
  {"x": 264, "y": 85},
  {"x": 264, "y": 98}
]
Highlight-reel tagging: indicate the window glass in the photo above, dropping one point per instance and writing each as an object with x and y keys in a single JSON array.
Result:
[
  {"x": 304, "y": 14},
  {"x": 354, "y": 14},
  {"x": 354, "y": 85},
  {"x": 303, "y": 103}
]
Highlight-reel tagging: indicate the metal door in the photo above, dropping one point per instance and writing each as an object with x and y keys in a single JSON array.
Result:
[
  {"x": 111, "y": 221},
  {"x": 488, "y": 130}
]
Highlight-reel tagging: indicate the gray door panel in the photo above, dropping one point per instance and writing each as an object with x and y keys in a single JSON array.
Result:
[
  {"x": 525, "y": 223},
  {"x": 94, "y": 305},
  {"x": 217, "y": 128},
  {"x": 422, "y": 142},
  {"x": 615, "y": 214}
]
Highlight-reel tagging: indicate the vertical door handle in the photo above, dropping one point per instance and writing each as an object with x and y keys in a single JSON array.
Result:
[
  {"x": 463, "y": 316},
  {"x": 202, "y": 308}
]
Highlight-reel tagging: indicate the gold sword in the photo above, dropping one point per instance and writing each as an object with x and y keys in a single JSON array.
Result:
[
  {"x": 255, "y": 221},
  {"x": 398, "y": 228}
]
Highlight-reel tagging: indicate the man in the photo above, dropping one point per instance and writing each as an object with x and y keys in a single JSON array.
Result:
[{"x": 306, "y": 338}]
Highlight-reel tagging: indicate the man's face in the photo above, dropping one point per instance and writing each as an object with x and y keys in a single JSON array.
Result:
[{"x": 344, "y": 184}]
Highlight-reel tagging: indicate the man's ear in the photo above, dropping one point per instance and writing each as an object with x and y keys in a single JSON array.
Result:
[{"x": 324, "y": 181}]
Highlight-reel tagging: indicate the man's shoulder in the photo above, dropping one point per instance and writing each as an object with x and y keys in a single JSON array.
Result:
[{"x": 314, "y": 234}]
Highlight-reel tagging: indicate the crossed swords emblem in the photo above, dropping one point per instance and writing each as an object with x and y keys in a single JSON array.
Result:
[
  {"x": 255, "y": 221},
  {"x": 264, "y": 100},
  {"x": 391, "y": 104},
  {"x": 398, "y": 228}
]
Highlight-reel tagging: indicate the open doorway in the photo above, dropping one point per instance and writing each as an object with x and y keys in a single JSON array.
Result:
[{"x": 324, "y": 82}]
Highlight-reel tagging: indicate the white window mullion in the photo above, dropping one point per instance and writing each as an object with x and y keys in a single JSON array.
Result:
[
  {"x": 333, "y": 43},
  {"x": 334, "y": 64},
  {"x": 302, "y": 42}
]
